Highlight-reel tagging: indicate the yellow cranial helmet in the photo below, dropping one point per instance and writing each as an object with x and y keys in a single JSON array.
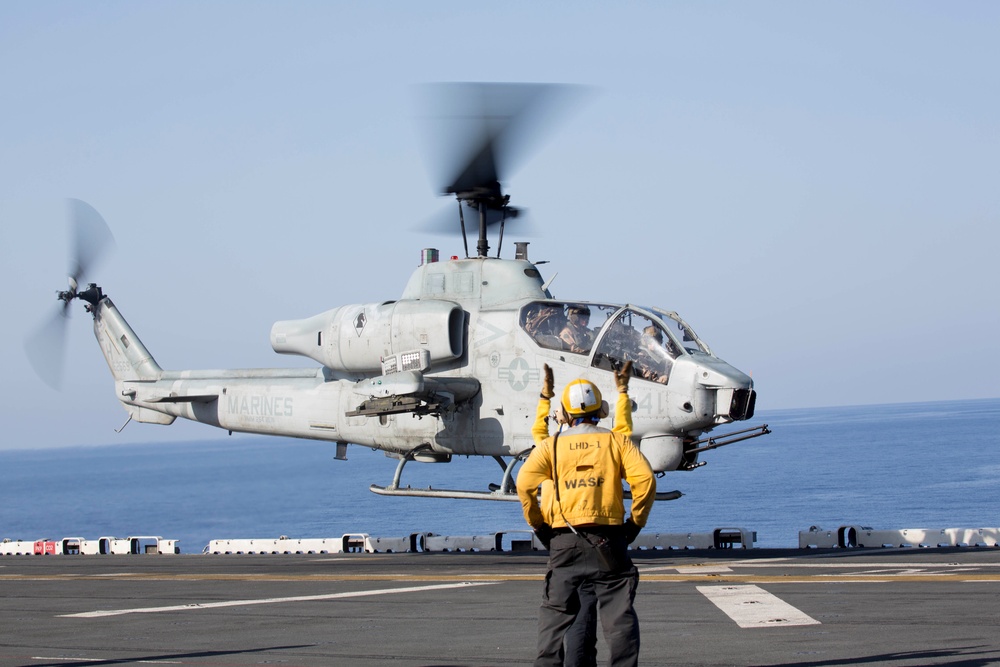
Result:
[{"x": 582, "y": 398}]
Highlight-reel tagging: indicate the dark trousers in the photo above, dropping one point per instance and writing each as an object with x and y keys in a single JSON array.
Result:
[
  {"x": 580, "y": 640},
  {"x": 573, "y": 560}
]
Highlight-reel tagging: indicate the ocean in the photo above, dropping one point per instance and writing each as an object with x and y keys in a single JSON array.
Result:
[{"x": 918, "y": 465}]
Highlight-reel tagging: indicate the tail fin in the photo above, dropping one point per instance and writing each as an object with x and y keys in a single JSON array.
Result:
[{"x": 127, "y": 357}]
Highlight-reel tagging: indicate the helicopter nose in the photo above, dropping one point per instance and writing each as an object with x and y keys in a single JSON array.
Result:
[
  {"x": 722, "y": 393},
  {"x": 735, "y": 397},
  {"x": 741, "y": 403}
]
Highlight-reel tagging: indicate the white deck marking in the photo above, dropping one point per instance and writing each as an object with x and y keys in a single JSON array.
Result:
[
  {"x": 699, "y": 568},
  {"x": 806, "y": 563},
  {"x": 753, "y": 607},
  {"x": 299, "y": 598},
  {"x": 703, "y": 569}
]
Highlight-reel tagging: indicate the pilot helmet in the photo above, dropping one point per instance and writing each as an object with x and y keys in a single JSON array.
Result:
[
  {"x": 653, "y": 332},
  {"x": 547, "y": 310},
  {"x": 578, "y": 310},
  {"x": 582, "y": 398}
]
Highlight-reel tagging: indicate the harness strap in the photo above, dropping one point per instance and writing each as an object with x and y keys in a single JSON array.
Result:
[{"x": 555, "y": 480}]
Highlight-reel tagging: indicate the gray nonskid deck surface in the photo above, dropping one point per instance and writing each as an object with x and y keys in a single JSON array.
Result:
[{"x": 720, "y": 607}]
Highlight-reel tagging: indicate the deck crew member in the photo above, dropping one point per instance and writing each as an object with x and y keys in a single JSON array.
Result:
[
  {"x": 583, "y": 525},
  {"x": 580, "y": 640}
]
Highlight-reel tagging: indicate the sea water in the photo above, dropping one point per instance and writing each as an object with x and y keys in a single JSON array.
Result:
[{"x": 920, "y": 465}]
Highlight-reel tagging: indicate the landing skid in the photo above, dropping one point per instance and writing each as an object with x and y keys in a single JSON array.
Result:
[
  {"x": 494, "y": 494},
  {"x": 627, "y": 495},
  {"x": 660, "y": 495},
  {"x": 442, "y": 493},
  {"x": 504, "y": 491}
]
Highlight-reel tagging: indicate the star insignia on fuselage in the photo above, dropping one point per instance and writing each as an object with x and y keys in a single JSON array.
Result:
[{"x": 518, "y": 374}]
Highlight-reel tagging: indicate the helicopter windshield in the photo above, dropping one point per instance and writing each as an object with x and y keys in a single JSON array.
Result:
[
  {"x": 559, "y": 325},
  {"x": 679, "y": 328},
  {"x": 635, "y": 337}
]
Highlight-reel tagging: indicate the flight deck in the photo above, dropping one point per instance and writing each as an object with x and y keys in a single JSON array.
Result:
[{"x": 808, "y": 608}]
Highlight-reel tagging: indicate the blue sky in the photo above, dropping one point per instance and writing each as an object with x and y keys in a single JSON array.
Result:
[{"x": 813, "y": 186}]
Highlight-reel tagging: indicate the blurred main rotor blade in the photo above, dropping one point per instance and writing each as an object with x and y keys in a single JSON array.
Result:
[
  {"x": 91, "y": 238},
  {"x": 476, "y": 131},
  {"x": 46, "y": 347}
]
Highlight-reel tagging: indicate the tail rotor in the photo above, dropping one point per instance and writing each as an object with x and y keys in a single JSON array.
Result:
[{"x": 45, "y": 347}]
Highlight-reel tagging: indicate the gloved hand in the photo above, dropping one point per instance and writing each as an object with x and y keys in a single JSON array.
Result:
[
  {"x": 548, "y": 384},
  {"x": 623, "y": 376},
  {"x": 544, "y": 533},
  {"x": 631, "y": 530}
]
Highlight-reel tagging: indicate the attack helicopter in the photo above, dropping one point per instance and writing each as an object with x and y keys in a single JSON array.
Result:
[{"x": 453, "y": 366}]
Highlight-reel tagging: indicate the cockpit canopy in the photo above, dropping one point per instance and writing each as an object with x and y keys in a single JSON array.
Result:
[
  {"x": 684, "y": 333},
  {"x": 613, "y": 334}
]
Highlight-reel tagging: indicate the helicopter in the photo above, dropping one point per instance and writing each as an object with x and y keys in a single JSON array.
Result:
[{"x": 452, "y": 367}]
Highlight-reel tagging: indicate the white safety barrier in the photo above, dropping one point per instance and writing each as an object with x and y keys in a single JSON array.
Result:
[
  {"x": 512, "y": 540},
  {"x": 845, "y": 536},
  {"x": 864, "y": 536},
  {"x": 453, "y": 543},
  {"x": 506, "y": 541},
  {"x": 72, "y": 546},
  {"x": 720, "y": 538},
  {"x": 398, "y": 545},
  {"x": 520, "y": 540},
  {"x": 17, "y": 547},
  {"x": 348, "y": 543}
]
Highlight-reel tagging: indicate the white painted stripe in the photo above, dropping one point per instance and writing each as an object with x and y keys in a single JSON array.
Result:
[
  {"x": 703, "y": 569},
  {"x": 300, "y": 598},
  {"x": 753, "y": 607},
  {"x": 700, "y": 568},
  {"x": 831, "y": 564}
]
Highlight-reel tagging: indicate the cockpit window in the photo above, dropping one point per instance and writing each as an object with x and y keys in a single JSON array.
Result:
[
  {"x": 571, "y": 327},
  {"x": 683, "y": 332},
  {"x": 636, "y": 338}
]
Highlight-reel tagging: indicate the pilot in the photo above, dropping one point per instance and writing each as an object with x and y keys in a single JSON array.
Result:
[
  {"x": 543, "y": 321},
  {"x": 652, "y": 336},
  {"x": 582, "y": 522},
  {"x": 576, "y": 336},
  {"x": 580, "y": 640},
  {"x": 653, "y": 362}
]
